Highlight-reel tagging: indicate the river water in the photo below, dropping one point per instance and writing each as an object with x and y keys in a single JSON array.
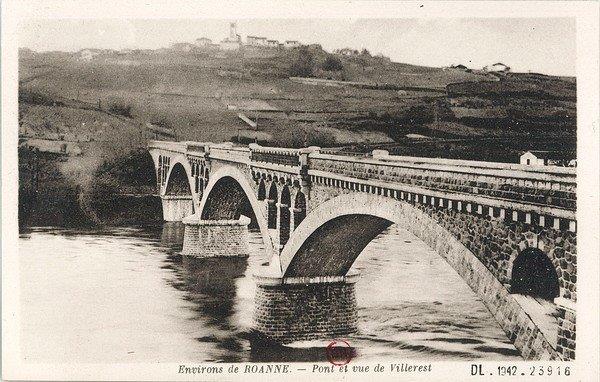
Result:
[{"x": 126, "y": 295}]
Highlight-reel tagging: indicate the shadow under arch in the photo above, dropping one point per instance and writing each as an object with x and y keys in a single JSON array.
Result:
[
  {"x": 228, "y": 195},
  {"x": 178, "y": 181},
  {"x": 534, "y": 274}
]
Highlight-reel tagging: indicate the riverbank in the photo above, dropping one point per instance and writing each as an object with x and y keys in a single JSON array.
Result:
[{"x": 53, "y": 190}]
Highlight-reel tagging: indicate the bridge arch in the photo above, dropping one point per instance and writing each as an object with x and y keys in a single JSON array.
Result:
[
  {"x": 228, "y": 195},
  {"x": 328, "y": 241},
  {"x": 178, "y": 181}
]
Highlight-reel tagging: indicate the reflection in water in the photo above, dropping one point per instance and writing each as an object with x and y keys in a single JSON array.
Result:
[{"x": 126, "y": 294}]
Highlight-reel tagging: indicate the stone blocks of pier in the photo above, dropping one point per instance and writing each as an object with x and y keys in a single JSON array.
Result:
[
  {"x": 299, "y": 309},
  {"x": 566, "y": 328},
  {"x": 215, "y": 238},
  {"x": 176, "y": 207}
]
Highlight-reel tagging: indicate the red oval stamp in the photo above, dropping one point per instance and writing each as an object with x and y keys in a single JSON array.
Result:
[{"x": 339, "y": 352}]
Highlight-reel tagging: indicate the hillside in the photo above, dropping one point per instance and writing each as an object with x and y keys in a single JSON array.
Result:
[
  {"x": 112, "y": 103},
  {"x": 200, "y": 96}
]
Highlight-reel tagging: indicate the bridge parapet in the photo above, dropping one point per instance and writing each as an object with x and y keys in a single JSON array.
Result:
[
  {"x": 275, "y": 155},
  {"x": 179, "y": 147},
  {"x": 541, "y": 186},
  {"x": 197, "y": 148},
  {"x": 230, "y": 153}
]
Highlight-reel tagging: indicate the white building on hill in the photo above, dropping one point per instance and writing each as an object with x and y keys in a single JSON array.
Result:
[
  {"x": 256, "y": 41},
  {"x": 291, "y": 44},
  {"x": 548, "y": 158},
  {"x": 272, "y": 43}
]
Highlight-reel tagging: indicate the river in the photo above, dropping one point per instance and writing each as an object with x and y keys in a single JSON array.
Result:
[{"x": 126, "y": 295}]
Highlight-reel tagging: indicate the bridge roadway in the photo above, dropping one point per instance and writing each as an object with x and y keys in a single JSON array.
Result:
[{"x": 509, "y": 230}]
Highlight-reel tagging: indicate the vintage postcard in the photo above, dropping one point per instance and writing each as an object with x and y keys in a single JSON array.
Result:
[{"x": 300, "y": 190}]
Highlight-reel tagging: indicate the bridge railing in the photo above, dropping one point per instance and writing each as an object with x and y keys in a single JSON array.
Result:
[
  {"x": 555, "y": 186},
  {"x": 275, "y": 155}
]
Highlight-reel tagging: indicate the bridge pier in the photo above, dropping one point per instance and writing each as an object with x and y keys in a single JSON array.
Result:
[
  {"x": 215, "y": 238},
  {"x": 298, "y": 309},
  {"x": 176, "y": 207}
]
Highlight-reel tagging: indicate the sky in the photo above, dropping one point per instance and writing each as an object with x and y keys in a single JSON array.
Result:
[{"x": 542, "y": 45}]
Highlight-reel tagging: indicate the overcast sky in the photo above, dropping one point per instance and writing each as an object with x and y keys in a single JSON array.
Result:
[{"x": 545, "y": 45}]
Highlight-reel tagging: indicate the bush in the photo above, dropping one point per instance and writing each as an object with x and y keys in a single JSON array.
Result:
[
  {"x": 332, "y": 64},
  {"x": 161, "y": 121},
  {"x": 121, "y": 107},
  {"x": 37, "y": 98}
]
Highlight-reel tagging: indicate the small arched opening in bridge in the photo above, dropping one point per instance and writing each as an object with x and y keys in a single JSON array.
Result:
[
  {"x": 284, "y": 216},
  {"x": 228, "y": 201},
  {"x": 272, "y": 206},
  {"x": 533, "y": 274},
  {"x": 178, "y": 183},
  {"x": 262, "y": 192},
  {"x": 299, "y": 208}
]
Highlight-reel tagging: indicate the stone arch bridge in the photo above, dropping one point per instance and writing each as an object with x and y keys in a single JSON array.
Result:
[{"x": 507, "y": 229}]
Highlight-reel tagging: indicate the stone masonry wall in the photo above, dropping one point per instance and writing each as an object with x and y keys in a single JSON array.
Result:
[
  {"x": 497, "y": 242},
  {"x": 219, "y": 238},
  {"x": 566, "y": 333},
  {"x": 297, "y": 312},
  {"x": 519, "y": 327},
  {"x": 175, "y": 208},
  {"x": 529, "y": 190}
]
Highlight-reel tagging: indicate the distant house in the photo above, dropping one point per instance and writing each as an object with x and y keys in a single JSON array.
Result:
[
  {"x": 548, "y": 158},
  {"x": 272, "y": 43},
  {"x": 203, "y": 42},
  {"x": 256, "y": 41},
  {"x": 347, "y": 52},
  {"x": 498, "y": 67},
  {"x": 291, "y": 44},
  {"x": 185, "y": 47}
]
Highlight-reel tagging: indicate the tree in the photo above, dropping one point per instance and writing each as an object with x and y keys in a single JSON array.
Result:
[
  {"x": 332, "y": 63},
  {"x": 303, "y": 63}
]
